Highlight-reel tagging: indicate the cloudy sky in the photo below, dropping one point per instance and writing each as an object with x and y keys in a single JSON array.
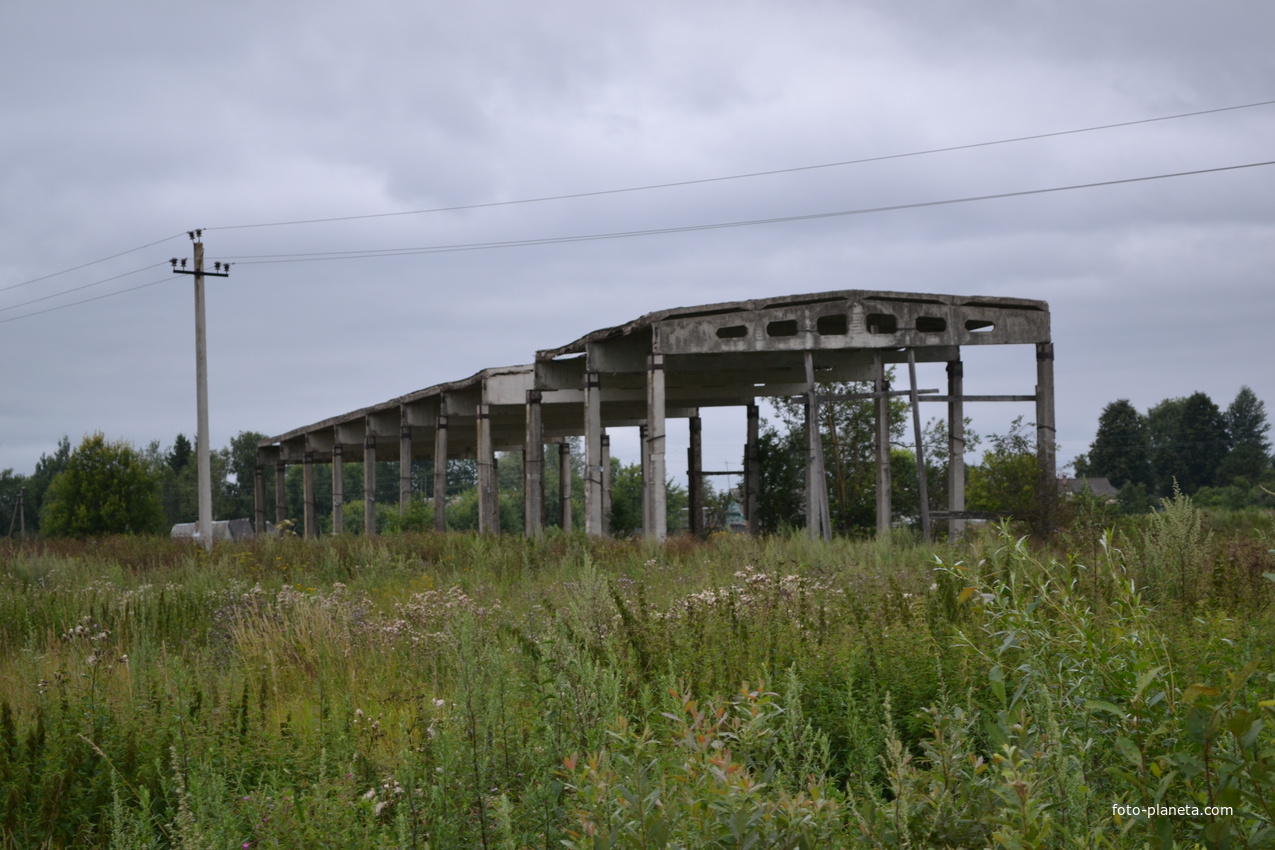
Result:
[{"x": 125, "y": 124}]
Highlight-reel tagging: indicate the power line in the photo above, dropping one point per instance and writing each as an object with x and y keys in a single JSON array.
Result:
[
  {"x": 748, "y": 175},
  {"x": 254, "y": 259},
  {"x": 85, "y": 300},
  {"x": 91, "y": 263},
  {"x": 77, "y": 288},
  {"x": 476, "y": 246}
]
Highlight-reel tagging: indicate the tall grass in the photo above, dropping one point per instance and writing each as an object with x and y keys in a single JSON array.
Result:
[{"x": 451, "y": 690}]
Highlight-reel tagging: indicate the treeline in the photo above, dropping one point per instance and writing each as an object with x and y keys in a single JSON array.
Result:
[
  {"x": 1221, "y": 458},
  {"x": 111, "y": 487},
  {"x": 108, "y": 486}
]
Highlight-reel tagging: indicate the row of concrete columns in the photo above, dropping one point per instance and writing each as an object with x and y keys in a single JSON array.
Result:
[{"x": 654, "y": 462}]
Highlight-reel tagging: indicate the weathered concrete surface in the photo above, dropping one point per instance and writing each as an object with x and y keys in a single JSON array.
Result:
[{"x": 715, "y": 355}]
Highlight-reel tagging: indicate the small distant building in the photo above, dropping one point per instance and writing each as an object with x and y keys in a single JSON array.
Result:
[
  {"x": 222, "y": 529},
  {"x": 1096, "y": 486}
]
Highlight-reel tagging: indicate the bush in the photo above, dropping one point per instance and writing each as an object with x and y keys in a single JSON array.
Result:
[{"x": 106, "y": 488}]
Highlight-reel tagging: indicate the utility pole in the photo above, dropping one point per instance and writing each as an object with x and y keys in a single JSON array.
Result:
[
  {"x": 18, "y": 513},
  {"x": 201, "y": 381}
]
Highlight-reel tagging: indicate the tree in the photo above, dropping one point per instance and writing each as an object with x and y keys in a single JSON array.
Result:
[
  {"x": 1246, "y": 425},
  {"x": 37, "y": 484},
  {"x": 106, "y": 488},
  {"x": 1164, "y": 427},
  {"x": 241, "y": 470},
  {"x": 1008, "y": 479},
  {"x": 848, "y": 433},
  {"x": 180, "y": 454},
  {"x": 1204, "y": 443},
  {"x": 1121, "y": 450}
]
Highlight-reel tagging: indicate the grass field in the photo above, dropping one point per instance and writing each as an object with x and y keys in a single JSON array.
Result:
[{"x": 455, "y": 691}]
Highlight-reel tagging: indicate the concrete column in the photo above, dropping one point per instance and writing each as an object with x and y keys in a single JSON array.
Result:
[
  {"x": 606, "y": 483},
  {"x": 922, "y": 488},
  {"x": 644, "y": 449},
  {"x": 752, "y": 468},
  {"x": 955, "y": 447},
  {"x": 259, "y": 496},
  {"x": 404, "y": 465},
  {"x": 338, "y": 489},
  {"x": 310, "y": 518},
  {"x": 695, "y": 476},
  {"x": 280, "y": 492},
  {"x": 818, "y": 520},
  {"x": 440, "y": 474},
  {"x": 564, "y": 485},
  {"x": 592, "y": 454},
  {"x": 658, "y": 529},
  {"x": 884, "y": 484},
  {"x": 488, "y": 505},
  {"x": 533, "y": 459},
  {"x": 1046, "y": 435},
  {"x": 369, "y": 483}
]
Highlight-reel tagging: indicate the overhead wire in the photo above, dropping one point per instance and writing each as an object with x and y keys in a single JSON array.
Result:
[
  {"x": 349, "y": 255},
  {"x": 752, "y": 174},
  {"x": 259, "y": 259},
  {"x": 256, "y": 259},
  {"x": 91, "y": 263},
  {"x": 78, "y": 288},
  {"x": 85, "y": 300}
]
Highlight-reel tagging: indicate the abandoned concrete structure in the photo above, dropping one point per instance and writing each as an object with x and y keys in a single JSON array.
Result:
[{"x": 667, "y": 365}]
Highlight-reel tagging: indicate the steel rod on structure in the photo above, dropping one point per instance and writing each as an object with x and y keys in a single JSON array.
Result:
[{"x": 922, "y": 489}]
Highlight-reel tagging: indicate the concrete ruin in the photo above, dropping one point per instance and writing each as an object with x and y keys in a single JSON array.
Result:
[{"x": 668, "y": 365}]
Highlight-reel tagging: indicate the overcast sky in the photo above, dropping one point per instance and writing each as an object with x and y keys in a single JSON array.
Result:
[{"x": 128, "y": 123}]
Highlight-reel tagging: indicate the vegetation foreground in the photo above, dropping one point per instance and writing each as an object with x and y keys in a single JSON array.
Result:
[{"x": 454, "y": 691}]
